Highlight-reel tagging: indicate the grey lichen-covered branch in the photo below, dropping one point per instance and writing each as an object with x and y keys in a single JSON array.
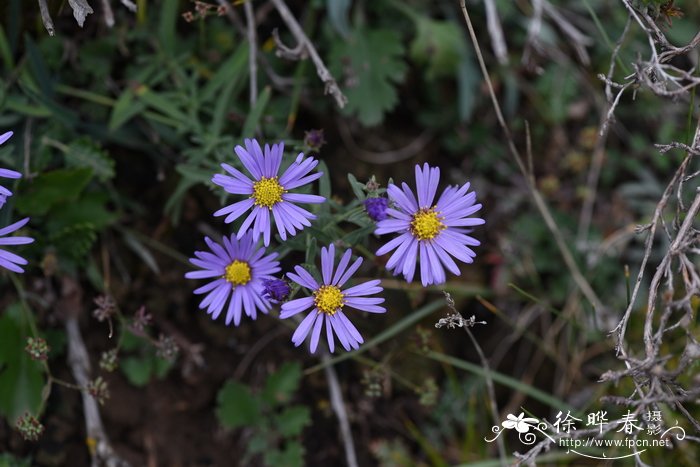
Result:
[{"x": 305, "y": 46}]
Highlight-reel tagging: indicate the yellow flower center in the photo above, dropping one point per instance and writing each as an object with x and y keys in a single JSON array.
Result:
[
  {"x": 328, "y": 299},
  {"x": 237, "y": 273},
  {"x": 426, "y": 224},
  {"x": 267, "y": 192}
]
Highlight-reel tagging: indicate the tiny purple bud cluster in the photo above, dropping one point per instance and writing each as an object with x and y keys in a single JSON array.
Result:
[
  {"x": 376, "y": 208},
  {"x": 313, "y": 139},
  {"x": 276, "y": 290}
]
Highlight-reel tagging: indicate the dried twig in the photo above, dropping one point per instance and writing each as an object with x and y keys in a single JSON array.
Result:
[
  {"x": 108, "y": 13},
  {"x": 579, "y": 40},
  {"x": 252, "y": 47},
  {"x": 277, "y": 81},
  {"x": 599, "y": 149},
  {"x": 466, "y": 324},
  {"x": 46, "y": 17},
  {"x": 131, "y": 6},
  {"x": 498, "y": 42},
  {"x": 339, "y": 409},
  {"x": 303, "y": 41},
  {"x": 576, "y": 274},
  {"x": 102, "y": 452}
]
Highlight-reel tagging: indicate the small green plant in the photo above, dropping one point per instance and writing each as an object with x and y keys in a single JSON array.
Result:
[
  {"x": 276, "y": 424},
  {"x": 142, "y": 362}
]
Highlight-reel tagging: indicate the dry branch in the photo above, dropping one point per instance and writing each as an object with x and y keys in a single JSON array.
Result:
[{"x": 305, "y": 46}]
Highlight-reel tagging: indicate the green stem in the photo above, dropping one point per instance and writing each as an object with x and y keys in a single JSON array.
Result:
[{"x": 384, "y": 336}]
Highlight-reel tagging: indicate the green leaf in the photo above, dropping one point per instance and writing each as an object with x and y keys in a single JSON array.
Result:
[
  {"x": 39, "y": 68},
  {"x": 89, "y": 208},
  {"x": 357, "y": 235},
  {"x": 253, "y": 119},
  {"x": 9, "y": 460},
  {"x": 137, "y": 370},
  {"x": 5, "y": 50},
  {"x": 166, "y": 29},
  {"x": 161, "y": 366},
  {"x": 291, "y": 456},
  {"x": 440, "y": 44},
  {"x": 125, "y": 108},
  {"x": 232, "y": 71},
  {"x": 468, "y": 79},
  {"x": 338, "y": 12},
  {"x": 236, "y": 406},
  {"x": 162, "y": 103},
  {"x": 74, "y": 241},
  {"x": 311, "y": 248},
  {"x": 85, "y": 152},
  {"x": 357, "y": 187},
  {"x": 281, "y": 384},
  {"x": 141, "y": 251},
  {"x": 292, "y": 420},
  {"x": 51, "y": 188},
  {"x": 374, "y": 59},
  {"x": 324, "y": 186},
  {"x": 21, "y": 378}
]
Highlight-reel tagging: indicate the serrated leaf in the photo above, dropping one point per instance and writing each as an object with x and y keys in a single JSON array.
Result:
[
  {"x": 74, "y": 241},
  {"x": 21, "y": 378},
  {"x": 89, "y": 208},
  {"x": 85, "y": 152},
  {"x": 237, "y": 406},
  {"x": 51, "y": 188},
  {"x": 281, "y": 384},
  {"x": 440, "y": 44},
  {"x": 374, "y": 60},
  {"x": 292, "y": 420},
  {"x": 292, "y": 455}
]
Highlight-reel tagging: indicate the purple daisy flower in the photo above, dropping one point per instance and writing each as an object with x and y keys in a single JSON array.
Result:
[
  {"x": 430, "y": 231},
  {"x": 238, "y": 269},
  {"x": 6, "y": 173},
  {"x": 268, "y": 193},
  {"x": 10, "y": 260},
  {"x": 328, "y": 299}
]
